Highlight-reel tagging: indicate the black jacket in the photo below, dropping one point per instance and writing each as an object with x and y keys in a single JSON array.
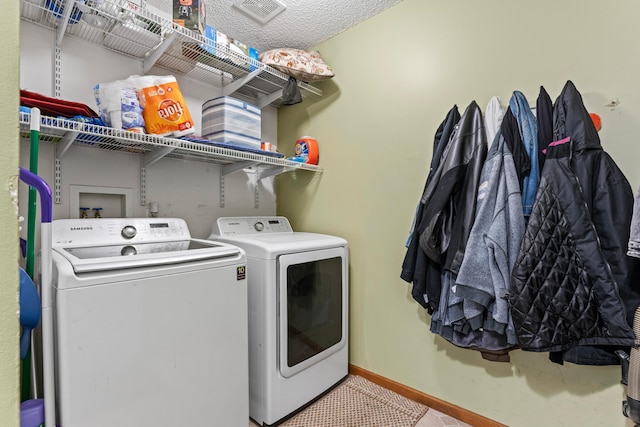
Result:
[
  {"x": 511, "y": 134},
  {"x": 450, "y": 198},
  {"x": 417, "y": 268},
  {"x": 566, "y": 287},
  {"x": 544, "y": 116},
  {"x": 447, "y": 208}
]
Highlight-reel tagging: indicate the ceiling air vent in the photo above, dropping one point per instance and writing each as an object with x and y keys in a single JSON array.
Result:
[{"x": 261, "y": 10}]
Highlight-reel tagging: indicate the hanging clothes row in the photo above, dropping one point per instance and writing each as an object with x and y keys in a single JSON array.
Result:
[{"x": 520, "y": 241}]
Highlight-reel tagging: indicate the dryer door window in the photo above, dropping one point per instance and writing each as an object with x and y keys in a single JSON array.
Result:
[{"x": 312, "y": 308}]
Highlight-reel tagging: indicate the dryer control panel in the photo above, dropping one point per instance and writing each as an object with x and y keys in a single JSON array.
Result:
[{"x": 237, "y": 226}]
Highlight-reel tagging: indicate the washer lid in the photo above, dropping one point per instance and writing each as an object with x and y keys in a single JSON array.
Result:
[{"x": 85, "y": 259}]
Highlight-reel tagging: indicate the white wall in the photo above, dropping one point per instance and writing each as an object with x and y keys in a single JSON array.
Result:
[{"x": 186, "y": 189}]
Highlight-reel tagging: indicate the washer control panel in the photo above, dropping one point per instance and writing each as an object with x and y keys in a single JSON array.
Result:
[
  {"x": 118, "y": 230},
  {"x": 237, "y": 226}
]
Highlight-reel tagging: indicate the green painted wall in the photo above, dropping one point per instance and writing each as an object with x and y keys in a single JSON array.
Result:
[
  {"x": 9, "y": 326},
  {"x": 397, "y": 75}
]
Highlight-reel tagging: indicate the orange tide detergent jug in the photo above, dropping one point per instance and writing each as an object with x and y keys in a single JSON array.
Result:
[{"x": 307, "y": 148}]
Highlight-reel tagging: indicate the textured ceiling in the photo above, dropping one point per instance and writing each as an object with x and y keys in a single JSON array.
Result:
[{"x": 303, "y": 24}]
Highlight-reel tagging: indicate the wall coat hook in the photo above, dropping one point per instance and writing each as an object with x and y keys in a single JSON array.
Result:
[{"x": 613, "y": 104}]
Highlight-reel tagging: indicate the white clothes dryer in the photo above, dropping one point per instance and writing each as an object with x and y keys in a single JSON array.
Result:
[
  {"x": 150, "y": 325},
  {"x": 298, "y": 312}
]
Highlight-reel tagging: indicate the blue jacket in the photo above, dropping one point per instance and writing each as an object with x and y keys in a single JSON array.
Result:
[{"x": 529, "y": 133}]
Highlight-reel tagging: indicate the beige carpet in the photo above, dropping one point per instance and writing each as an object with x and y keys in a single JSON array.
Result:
[{"x": 357, "y": 402}]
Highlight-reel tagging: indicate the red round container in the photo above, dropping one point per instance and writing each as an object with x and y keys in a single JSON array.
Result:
[{"x": 307, "y": 147}]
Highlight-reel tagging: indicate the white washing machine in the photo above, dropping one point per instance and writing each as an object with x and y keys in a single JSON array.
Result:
[
  {"x": 150, "y": 325},
  {"x": 298, "y": 312}
]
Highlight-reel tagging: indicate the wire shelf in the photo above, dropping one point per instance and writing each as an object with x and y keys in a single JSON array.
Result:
[
  {"x": 124, "y": 27},
  {"x": 64, "y": 132}
]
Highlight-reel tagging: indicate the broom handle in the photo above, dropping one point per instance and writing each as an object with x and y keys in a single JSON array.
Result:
[{"x": 33, "y": 168}]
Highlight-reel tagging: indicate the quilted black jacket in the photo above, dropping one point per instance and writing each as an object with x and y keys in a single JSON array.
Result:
[{"x": 565, "y": 293}]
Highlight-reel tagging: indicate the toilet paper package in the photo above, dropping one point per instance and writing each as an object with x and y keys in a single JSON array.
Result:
[
  {"x": 163, "y": 107},
  {"x": 151, "y": 104},
  {"x": 119, "y": 106}
]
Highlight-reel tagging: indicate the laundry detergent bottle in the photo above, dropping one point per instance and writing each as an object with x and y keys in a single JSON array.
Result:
[{"x": 307, "y": 148}]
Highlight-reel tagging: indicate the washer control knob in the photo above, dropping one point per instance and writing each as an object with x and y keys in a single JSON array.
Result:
[
  {"x": 258, "y": 226},
  {"x": 129, "y": 232},
  {"x": 128, "y": 251}
]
